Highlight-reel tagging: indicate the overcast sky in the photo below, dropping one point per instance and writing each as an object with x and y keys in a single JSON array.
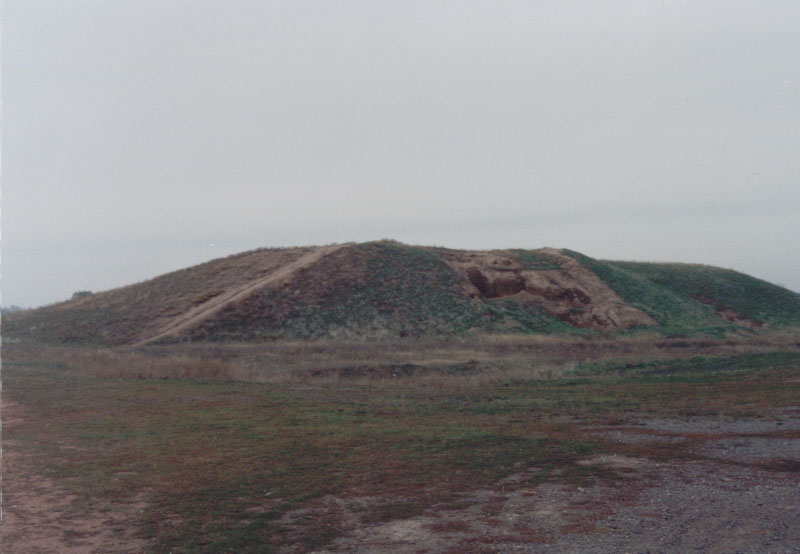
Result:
[{"x": 143, "y": 136}]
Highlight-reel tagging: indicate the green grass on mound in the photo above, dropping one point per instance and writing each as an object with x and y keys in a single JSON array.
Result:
[
  {"x": 407, "y": 291},
  {"x": 723, "y": 288},
  {"x": 685, "y": 298}
]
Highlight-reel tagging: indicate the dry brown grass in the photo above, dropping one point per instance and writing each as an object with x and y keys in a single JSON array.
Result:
[
  {"x": 462, "y": 363},
  {"x": 137, "y": 311},
  {"x": 108, "y": 363}
]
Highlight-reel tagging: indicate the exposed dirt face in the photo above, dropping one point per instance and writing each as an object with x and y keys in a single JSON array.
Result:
[
  {"x": 738, "y": 319},
  {"x": 571, "y": 293},
  {"x": 730, "y": 314}
]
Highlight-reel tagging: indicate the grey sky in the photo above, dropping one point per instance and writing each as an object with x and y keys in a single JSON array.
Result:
[{"x": 143, "y": 136}]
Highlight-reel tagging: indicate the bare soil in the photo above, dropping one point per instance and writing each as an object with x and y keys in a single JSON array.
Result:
[
  {"x": 40, "y": 517},
  {"x": 571, "y": 293},
  {"x": 741, "y": 493}
]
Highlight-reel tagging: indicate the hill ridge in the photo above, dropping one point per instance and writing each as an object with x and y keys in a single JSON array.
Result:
[{"x": 385, "y": 289}]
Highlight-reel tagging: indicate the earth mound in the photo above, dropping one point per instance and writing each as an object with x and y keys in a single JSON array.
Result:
[{"x": 386, "y": 289}]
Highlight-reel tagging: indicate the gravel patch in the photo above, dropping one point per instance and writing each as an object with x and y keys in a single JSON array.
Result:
[
  {"x": 711, "y": 506},
  {"x": 700, "y": 506},
  {"x": 753, "y": 449},
  {"x": 696, "y": 507},
  {"x": 630, "y": 436},
  {"x": 720, "y": 425}
]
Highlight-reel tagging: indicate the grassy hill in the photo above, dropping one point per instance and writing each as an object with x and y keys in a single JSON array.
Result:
[
  {"x": 692, "y": 297},
  {"x": 387, "y": 289}
]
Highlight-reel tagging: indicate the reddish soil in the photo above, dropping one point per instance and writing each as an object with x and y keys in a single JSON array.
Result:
[
  {"x": 730, "y": 314},
  {"x": 40, "y": 517},
  {"x": 571, "y": 293},
  {"x": 741, "y": 494}
]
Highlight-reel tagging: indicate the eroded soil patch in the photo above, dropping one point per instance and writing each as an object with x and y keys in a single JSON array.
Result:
[
  {"x": 566, "y": 290},
  {"x": 41, "y": 517}
]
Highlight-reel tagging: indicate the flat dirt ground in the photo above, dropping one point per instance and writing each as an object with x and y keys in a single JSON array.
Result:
[
  {"x": 40, "y": 517},
  {"x": 743, "y": 497},
  {"x": 695, "y": 455}
]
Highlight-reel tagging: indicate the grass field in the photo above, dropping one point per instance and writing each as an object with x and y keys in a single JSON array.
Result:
[{"x": 227, "y": 465}]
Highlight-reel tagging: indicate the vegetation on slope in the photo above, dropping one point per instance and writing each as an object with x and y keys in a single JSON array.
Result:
[
  {"x": 675, "y": 310},
  {"x": 374, "y": 290},
  {"x": 126, "y": 314},
  {"x": 388, "y": 289},
  {"x": 723, "y": 289}
]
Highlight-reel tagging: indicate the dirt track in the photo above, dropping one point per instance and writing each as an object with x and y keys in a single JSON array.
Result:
[{"x": 217, "y": 303}]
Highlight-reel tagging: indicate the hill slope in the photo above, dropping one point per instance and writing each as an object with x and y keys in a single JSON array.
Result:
[{"x": 387, "y": 289}]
